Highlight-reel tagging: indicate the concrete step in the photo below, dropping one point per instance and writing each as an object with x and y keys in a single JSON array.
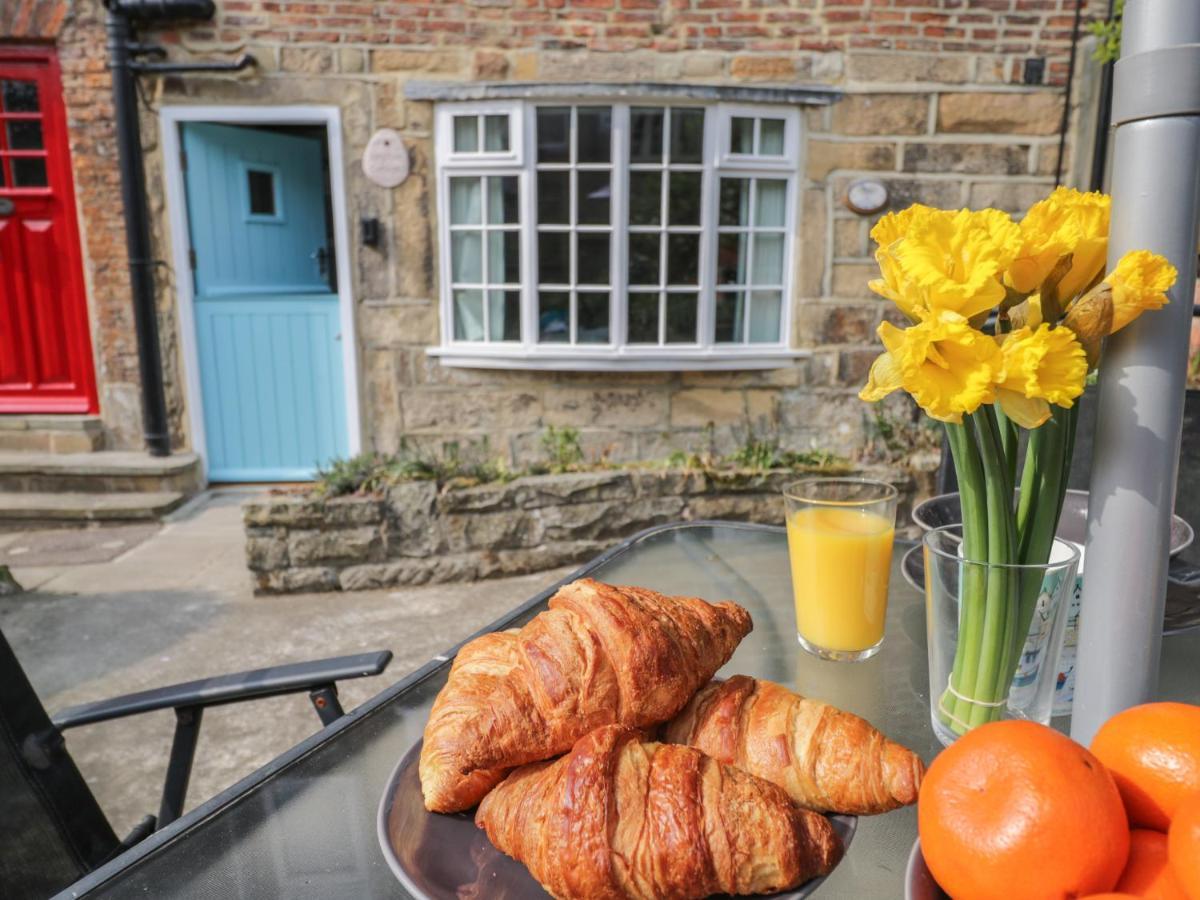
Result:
[
  {"x": 51, "y": 434},
  {"x": 107, "y": 471},
  {"x": 42, "y": 509}
]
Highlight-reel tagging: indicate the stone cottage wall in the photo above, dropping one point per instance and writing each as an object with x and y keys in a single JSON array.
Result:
[
  {"x": 419, "y": 533},
  {"x": 950, "y": 102}
]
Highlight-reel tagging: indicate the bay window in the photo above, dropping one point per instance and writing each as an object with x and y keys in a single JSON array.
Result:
[{"x": 615, "y": 235}]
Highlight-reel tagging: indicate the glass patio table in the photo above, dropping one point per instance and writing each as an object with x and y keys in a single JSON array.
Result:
[{"x": 304, "y": 825}]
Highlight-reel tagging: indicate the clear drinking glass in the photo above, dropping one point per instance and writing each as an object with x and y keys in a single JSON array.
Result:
[
  {"x": 965, "y": 601},
  {"x": 840, "y": 533}
]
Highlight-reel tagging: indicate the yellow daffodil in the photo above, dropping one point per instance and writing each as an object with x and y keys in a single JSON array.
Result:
[
  {"x": 1139, "y": 282},
  {"x": 949, "y": 367},
  {"x": 939, "y": 260},
  {"x": 1067, "y": 222},
  {"x": 888, "y": 233},
  {"x": 1039, "y": 366}
]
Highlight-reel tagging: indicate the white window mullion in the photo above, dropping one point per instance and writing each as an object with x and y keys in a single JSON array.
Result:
[
  {"x": 485, "y": 272},
  {"x": 664, "y": 233},
  {"x": 752, "y": 211},
  {"x": 572, "y": 220},
  {"x": 529, "y": 233},
  {"x": 618, "y": 277},
  {"x": 710, "y": 184}
]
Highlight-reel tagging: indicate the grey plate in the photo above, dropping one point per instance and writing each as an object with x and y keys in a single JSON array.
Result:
[
  {"x": 441, "y": 857},
  {"x": 918, "y": 882}
]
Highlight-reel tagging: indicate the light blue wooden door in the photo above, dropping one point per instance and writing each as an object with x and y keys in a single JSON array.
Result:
[{"x": 267, "y": 328}]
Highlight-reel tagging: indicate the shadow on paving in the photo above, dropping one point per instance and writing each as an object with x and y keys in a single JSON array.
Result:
[{"x": 67, "y": 640}]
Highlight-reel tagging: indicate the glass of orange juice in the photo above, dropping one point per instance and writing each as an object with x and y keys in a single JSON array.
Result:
[{"x": 840, "y": 533}]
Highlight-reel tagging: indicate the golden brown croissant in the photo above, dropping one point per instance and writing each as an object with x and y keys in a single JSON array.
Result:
[
  {"x": 599, "y": 655},
  {"x": 618, "y": 818},
  {"x": 824, "y": 758}
]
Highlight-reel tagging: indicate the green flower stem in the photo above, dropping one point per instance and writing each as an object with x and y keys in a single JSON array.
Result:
[
  {"x": 1000, "y": 606},
  {"x": 1031, "y": 476},
  {"x": 973, "y": 588},
  {"x": 1009, "y": 442},
  {"x": 1047, "y": 464}
]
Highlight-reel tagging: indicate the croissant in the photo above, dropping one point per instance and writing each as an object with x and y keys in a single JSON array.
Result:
[
  {"x": 825, "y": 759},
  {"x": 599, "y": 655},
  {"x": 619, "y": 818}
]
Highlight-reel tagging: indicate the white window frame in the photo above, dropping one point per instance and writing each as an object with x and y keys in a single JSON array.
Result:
[
  {"x": 616, "y": 355},
  {"x": 444, "y": 133}
]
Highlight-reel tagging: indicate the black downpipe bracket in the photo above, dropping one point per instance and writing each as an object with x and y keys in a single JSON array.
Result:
[{"x": 122, "y": 47}]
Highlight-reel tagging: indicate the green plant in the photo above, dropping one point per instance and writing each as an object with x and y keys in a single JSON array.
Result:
[
  {"x": 362, "y": 474},
  {"x": 901, "y": 429},
  {"x": 756, "y": 453},
  {"x": 456, "y": 465},
  {"x": 561, "y": 448},
  {"x": 1108, "y": 33},
  {"x": 369, "y": 473}
]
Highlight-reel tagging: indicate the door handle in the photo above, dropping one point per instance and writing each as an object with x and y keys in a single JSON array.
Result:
[
  {"x": 321, "y": 255},
  {"x": 7, "y": 207}
]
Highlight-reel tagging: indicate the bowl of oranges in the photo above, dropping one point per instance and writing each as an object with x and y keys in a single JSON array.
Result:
[{"x": 1018, "y": 811}]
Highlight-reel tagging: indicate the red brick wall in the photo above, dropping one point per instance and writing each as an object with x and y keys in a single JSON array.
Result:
[{"x": 1007, "y": 28}]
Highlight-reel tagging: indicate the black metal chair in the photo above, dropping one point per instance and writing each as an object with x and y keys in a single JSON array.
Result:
[{"x": 52, "y": 831}]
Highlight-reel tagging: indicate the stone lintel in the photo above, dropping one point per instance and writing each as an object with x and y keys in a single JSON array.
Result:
[{"x": 794, "y": 95}]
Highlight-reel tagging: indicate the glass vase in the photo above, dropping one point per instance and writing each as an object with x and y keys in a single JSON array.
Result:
[{"x": 993, "y": 632}]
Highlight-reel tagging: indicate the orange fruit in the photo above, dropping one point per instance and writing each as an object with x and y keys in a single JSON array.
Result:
[
  {"x": 1183, "y": 846},
  {"x": 1147, "y": 873},
  {"x": 1015, "y": 809},
  {"x": 1111, "y": 895},
  {"x": 1153, "y": 752}
]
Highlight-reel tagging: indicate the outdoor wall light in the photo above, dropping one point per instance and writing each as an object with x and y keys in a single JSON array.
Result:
[{"x": 370, "y": 232}]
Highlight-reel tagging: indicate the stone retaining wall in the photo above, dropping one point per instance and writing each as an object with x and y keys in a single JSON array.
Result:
[{"x": 420, "y": 533}]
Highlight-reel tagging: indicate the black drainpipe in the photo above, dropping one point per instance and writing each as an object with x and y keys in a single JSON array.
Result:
[
  {"x": 1104, "y": 121},
  {"x": 122, "y": 48}
]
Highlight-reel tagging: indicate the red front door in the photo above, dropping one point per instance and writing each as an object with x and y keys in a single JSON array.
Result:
[{"x": 45, "y": 349}]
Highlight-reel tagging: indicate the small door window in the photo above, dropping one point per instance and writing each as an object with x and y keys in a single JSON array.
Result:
[
  {"x": 22, "y": 142},
  {"x": 263, "y": 199},
  {"x": 262, "y": 192}
]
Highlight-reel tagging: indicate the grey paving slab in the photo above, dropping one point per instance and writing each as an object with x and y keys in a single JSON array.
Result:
[
  {"x": 179, "y": 606},
  {"x": 72, "y": 546}
]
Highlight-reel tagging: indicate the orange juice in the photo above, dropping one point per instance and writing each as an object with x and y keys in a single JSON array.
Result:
[{"x": 841, "y": 558}]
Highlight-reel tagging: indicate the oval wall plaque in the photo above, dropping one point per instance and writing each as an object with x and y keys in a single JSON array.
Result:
[{"x": 385, "y": 161}]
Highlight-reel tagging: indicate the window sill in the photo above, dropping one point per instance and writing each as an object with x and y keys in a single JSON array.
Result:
[{"x": 624, "y": 360}]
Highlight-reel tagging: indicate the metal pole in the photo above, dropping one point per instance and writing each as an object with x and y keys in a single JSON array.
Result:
[
  {"x": 137, "y": 233},
  {"x": 1156, "y": 197}
]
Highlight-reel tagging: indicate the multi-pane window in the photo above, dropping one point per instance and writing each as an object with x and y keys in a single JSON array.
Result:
[{"x": 596, "y": 230}]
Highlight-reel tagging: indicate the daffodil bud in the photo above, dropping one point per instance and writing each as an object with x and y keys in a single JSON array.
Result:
[{"x": 1091, "y": 318}]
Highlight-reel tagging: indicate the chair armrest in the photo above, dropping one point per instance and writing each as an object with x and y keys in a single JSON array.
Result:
[{"x": 251, "y": 685}]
